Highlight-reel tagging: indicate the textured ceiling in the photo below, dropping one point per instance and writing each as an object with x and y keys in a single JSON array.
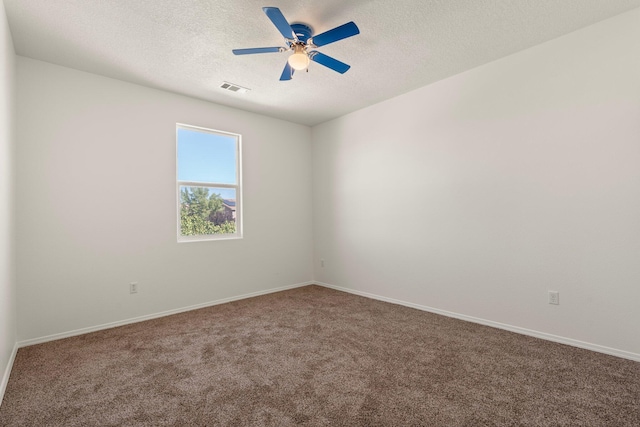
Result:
[{"x": 184, "y": 46}]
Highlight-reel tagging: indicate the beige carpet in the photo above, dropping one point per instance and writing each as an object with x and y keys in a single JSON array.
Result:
[{"x": 314, "y": 356}]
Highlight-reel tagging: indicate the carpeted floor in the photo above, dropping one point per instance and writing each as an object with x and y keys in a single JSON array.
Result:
[{"x": 315, "y": 356}]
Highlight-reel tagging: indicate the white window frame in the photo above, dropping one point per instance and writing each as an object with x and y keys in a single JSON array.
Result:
[{"x": 237, "y": 186}]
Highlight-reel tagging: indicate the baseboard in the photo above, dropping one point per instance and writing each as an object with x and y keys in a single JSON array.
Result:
[
  {"x": 83, "y": 331},
  {"x": 511, "y": 328},
  {"x": 543, "y": 335},
  {"x": 7, "y": 372}
]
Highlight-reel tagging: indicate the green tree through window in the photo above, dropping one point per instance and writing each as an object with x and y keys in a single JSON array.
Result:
[{"x": 203, "y": 213}]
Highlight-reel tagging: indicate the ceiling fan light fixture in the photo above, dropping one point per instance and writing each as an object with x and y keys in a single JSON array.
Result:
[{"x": 299, "y": 60}]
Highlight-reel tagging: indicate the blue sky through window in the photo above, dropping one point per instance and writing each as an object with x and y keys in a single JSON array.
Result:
[{"x": 206, "y": 157}]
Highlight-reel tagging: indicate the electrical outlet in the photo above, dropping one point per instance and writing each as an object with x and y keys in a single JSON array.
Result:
[
  {"x": 554, "y": 297},
  {"x": 133, "y": 287},
  {"x": 322, "y": 262}
]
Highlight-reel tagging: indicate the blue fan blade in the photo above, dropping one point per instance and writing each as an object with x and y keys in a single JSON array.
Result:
[
  {"x": 342, "y": 32},
  {"x": 255, "y": 50},
  {"x": 287, "y": 73},
  {"x": 329, "y": 62},
  {"x": 278, "y": 19}
]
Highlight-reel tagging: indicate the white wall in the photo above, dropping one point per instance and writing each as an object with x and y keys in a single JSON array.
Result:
[
  {"x": 7, "y": 283},
  {"x": 478, "y": 194},
  {"x": 96, "y": 203}
]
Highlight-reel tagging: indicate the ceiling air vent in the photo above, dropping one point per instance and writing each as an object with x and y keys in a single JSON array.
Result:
[{"x": 234, "y": 87}]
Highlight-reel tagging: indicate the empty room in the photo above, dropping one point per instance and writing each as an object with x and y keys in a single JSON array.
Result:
[{"x": 345, "y": 213}]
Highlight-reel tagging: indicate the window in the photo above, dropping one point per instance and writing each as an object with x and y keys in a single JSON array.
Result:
[{"x": 208, "y": 184}]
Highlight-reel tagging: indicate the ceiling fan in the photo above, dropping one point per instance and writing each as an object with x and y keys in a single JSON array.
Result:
[{"x": 299, "y": 38}]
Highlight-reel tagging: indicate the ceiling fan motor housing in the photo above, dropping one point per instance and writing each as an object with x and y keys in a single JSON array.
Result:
[{"x": 302, "y": 31}]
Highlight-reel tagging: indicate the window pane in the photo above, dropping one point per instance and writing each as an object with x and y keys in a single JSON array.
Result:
[
  {"x": 206, "y": 157},
  {"x": 207, "y": 210}
]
